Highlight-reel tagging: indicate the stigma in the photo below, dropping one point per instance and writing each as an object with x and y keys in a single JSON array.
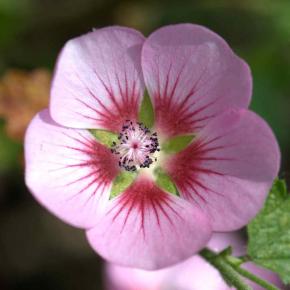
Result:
[{"x": 136, "y": 146}]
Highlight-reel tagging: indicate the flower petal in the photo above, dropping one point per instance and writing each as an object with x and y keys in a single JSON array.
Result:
[
  {"x": 193, "y": 274},
  {"x": 192, "y": 75},
  {"x": 67, "y": 170},
  {"x": 144, "y": 222},
  {"x": 98, "y": 80},
  {"x": 229, "y": 168}
]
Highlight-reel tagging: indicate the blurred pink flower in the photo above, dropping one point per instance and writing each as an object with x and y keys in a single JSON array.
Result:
[
  {"x": 198, "y": 86},
  {"x": 193, "y": 274}
]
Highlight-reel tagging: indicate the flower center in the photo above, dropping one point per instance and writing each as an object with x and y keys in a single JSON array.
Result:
[{"x": 136, "y": 146}]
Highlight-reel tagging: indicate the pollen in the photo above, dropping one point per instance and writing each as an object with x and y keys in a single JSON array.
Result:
[{"x": 136, "y": 147}]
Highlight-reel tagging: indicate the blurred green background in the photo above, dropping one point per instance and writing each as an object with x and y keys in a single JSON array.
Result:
[{"x": 37, "y": 251}]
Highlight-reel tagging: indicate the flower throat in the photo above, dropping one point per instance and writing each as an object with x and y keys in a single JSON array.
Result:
[{"x": 136, "y": 146}]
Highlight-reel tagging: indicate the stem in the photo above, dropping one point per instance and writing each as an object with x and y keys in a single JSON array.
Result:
[
  {"x": 230, "y": 269},
  {"x": 255, "y": 279},
  {"x": 225, "y": 269},
  {"x": 244, "y": 259}
]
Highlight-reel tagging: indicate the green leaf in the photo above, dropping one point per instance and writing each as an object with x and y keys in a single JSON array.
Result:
[
  {"x": 164, "y": 181},
  {"x": 269, "y": 233},
  {"x": 146, "y": 114},
  {"x": 122, "y": 182},
  {"x": 176, "y": 144},
  {"x": 105, "y": 137}
]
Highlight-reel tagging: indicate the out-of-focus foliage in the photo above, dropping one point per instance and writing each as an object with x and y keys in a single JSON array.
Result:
[{"x": 9, "y": 151}]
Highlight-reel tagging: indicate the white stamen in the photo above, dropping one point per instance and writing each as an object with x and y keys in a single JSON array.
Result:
[{"x": 136, "y": 147}]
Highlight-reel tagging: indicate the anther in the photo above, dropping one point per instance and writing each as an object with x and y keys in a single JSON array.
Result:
[{"x": 136, "y": 146}]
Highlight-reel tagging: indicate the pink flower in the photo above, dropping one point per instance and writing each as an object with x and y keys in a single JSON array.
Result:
[
  {"x": 193, "y": 274},
  {"x": 199, "y": 87}
]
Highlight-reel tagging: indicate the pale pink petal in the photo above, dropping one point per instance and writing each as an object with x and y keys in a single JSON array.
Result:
[
  {"x": 67, "y": 170},
  {"x": 192, "y": 274},
  {"x": 148, "y": 228},
  {"x": 229, "y": 168},
  {"x": 98, "y": 81},
  {"x": 192, "y": 75},
  {"x": 124, "y": 278},
  {"x": 220, "y": 241},
  {"x": 268, "y": 275}
]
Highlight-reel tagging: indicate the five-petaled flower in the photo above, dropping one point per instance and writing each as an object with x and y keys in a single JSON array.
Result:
[{"x": 198, "y": 87}]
